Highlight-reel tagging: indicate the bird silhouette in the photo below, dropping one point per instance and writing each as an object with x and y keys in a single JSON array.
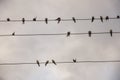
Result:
[
  {"x": 92, "y": 19},
  {"x": 23, "y": 20},
  {"x": 13, "y": 34},
  {"x": 89, "y": 33},
  {"x": 46, "y": 20},
  {"x": 58, "y": 19},
  {"x": 74, "y": 60},
  {"x": 34, "y": 19},
  {"x": 46, "y": 63},
  {"x": 53, "y": 61},
  {"x": 111, "y": 32},
  {"x": 118, "y": 16},
  {"x": 107, "y": 17},
  {"x": 38, "y": 63},
  {"x": 74, "y": 20},
  {"x": 101, "y": 18},
  {"x": 68, "y": 34},
  {"x": 8, "y": 19}
]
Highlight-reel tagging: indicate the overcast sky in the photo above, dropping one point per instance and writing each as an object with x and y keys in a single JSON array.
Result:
[{"x": 59, "y": 48}]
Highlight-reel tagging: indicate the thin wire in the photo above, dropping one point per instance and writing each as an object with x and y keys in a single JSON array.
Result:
[
  {"x": 57, "y": 34},
  {"x": 64, "y": 62},
  {"x": 38, "y": 20}
]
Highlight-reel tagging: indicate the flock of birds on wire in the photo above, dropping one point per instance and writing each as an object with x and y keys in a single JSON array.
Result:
[
  {"x": 67, "y": 34},
  {"x": 73, "y": 61},
  {"x": 53, "y": 61},
  {"x": 46, "y": 63},
  {"x": 59, "y": 19}
]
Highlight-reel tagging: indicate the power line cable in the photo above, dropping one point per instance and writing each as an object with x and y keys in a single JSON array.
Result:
[
  {"x": 67, "y": 34},
  {"x": 46, "y": 20},
  {"x": 63, "y": 62}
]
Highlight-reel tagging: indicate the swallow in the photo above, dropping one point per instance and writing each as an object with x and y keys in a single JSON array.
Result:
[
  {"x": 68, "y": 34},
  {"x": 93, "y": 18},
  {"x": 89, "y": 33},
  {"x": 8, "y": 19},
  {"x": 58, "y": 19},
  {"x": 74, "y": 20},
  {"x": 111, "y": 32},
  {"x": 46, "y": 63},
  {"x": 101, "y": 18},
  {"x": 54, "y": 62},
  {"x": 34, "y": 19},
  {"x": 74, "y": 60},
  {"x": 118, "y": 17},
  {"x": 107, "y": 17},
  {"x": 13, "y": 34},
  {"x": 23, "y": 20},
  {"x": 46, "y": 20},
  {"x": 38, "y": 63}
]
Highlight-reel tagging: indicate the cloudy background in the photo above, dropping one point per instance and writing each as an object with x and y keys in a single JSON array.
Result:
[{"x": 60, "y": 48}]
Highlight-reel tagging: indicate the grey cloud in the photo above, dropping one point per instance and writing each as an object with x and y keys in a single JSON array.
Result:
[{"x": 1, "y": 78}]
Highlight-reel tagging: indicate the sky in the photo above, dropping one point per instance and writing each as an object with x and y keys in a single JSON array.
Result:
[{"x": 59, "y": 48}]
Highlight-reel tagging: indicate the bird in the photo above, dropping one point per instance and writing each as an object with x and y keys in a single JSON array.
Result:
[
  {"x": 54, "y": 62},
  {"x": 8, "y": 19},
  {"x": 68, "y": 33},
  {"x": 74, "y": 20},
  {"x": 58, "y": 19},
  {"x": 23, "y": 20},
  {"x": 107, "y": 17},
  {"x": 46, "y": 63},
  {"x": 92, "y": 19},
  {"x": 46, "y": 20},
  {"x": 89, "y": 33},
  {"x": 111, "y": 32},
  {"x": 38, "y": 63},
  {"x": 118, "y": 16},
  {"x": 74, "y": 60},
  {"x": 34, "y": 19},
  {"x": 13, "y": 34},
  {"x": 101, "y": 18}
]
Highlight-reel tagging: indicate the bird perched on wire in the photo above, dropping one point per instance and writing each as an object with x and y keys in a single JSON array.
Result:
[
  {"x": 74, "y": 20},
  {"x": 46, "y": 20},
  {"x": 38, "y": 63},
  {"x": 8, "y": 19},
  {"x": 58, "y": 19},
  {"x": 93, "y": 18},
  {"x": 23, "y": 20},
  {"x": 68, "y": 34},
  {"x": 118, "y": 16},
  {"x": 74, "y": 60},
  {"x": 111, "y": 32},
  {"x": 101, "y": 18},
  {"x": 107, "y": 17},
  {"x": 34, "y": 19},
  {"x": 13, "y": 34},
  {"x": 89, "y": 33},
  {"x": 53, "y": 61},
  {"x": 46, "y": 63}
]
